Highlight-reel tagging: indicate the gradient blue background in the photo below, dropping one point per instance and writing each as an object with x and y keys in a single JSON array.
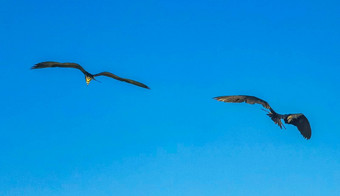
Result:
[{"x": 60, "y": 137}]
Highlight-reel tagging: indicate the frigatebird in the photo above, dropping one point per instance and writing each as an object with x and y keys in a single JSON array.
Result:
[
  {"x": 88, "y": 76},
  {"x": 299, "y": 120}
]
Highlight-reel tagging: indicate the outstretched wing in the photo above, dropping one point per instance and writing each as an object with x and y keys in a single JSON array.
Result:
[
  {"x": 243, "y": 98},
  {"x": 108, "y": 74},
  {"x": 301, "y": 122},
  {"x": 57, "y": 64}
]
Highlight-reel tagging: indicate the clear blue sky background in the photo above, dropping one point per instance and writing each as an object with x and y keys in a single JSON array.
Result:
[{"x": 60, "y": 137}]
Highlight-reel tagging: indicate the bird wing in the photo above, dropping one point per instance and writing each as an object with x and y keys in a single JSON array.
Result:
[
  {"x": 243, "y": 98},
  {"x": 108, "y": 74},
  {"x": 57, "y": 64},
  {"x": 301, "y": 122}
]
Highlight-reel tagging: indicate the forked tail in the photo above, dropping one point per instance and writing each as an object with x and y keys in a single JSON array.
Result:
[
  {"x": 276, "y": 118},
  {"x": 96, "y": 80}
]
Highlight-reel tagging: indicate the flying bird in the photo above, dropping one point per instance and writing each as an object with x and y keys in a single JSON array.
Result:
[
  {"x": 88, "y": 76},
  {"x": 299, "y": 120}
]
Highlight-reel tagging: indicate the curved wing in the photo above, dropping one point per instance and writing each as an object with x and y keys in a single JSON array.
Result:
[
  {"x": 108, "y": 74},
  {"x": 243, "y": 98},
  {"x": 301, "y": 122},
  {"x": 57, "y": 64}
]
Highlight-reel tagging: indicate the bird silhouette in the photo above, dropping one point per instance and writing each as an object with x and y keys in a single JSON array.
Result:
[
  {"x": 88, "y": 76},
  {"x": 299, "y": 120}
]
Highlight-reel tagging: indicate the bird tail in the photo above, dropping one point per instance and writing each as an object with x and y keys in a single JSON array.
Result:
[
  {"x": 97, "y": 80},
  {"x": 276, "y": 118}
]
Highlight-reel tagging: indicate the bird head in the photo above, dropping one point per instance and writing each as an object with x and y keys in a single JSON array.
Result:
[{"x": 88, "y": 79}]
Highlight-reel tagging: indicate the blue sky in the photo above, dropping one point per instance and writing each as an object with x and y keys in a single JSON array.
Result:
[{"x": 61, "y": 137}]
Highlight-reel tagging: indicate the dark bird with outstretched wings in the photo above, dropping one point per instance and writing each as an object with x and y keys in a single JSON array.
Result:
[
  {"x": 299, "y": 120},
  {"x": 88, "y": 76}
]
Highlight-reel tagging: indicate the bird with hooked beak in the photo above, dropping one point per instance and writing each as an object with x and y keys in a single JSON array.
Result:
[
  {"x": 88, "y": 76},
  {"x": 299, "y": 120}
]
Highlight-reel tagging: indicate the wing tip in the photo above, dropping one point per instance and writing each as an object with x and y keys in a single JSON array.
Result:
[
  {"x": 307, "y": 137},
  {"x": 143, "y": 86},
  {"x": 307, "y": 134},
  {"x": 36, "y": 66}
]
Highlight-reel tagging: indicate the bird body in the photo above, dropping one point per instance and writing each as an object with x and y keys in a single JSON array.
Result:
[
  {"x": 299, "y": 120},
  {"x": 88, "y": 76}
]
